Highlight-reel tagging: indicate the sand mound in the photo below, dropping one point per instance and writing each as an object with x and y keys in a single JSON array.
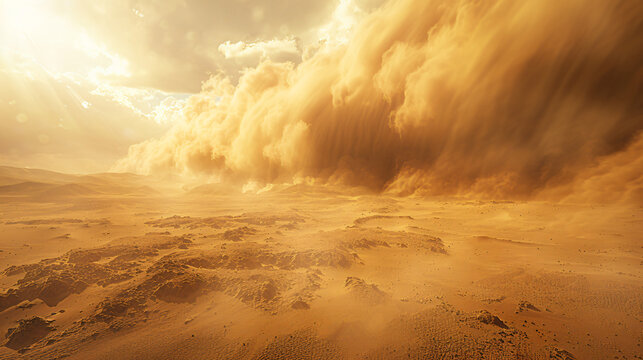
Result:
[
  {"x": 237, "y": 259},
  {"x": 365, "y": 292},
  {"x": 165, "y": 280},
  {"x": 128, "y": 302},
  {"x": 28, "y": 332},
  {"x": 28, "y": 304},
  {"x": 159, "y": 241},
  {"x": 239, "y": 233},
  {"x": 259, "y": 291},
  {"x": 486, "y": 317},
  {"x": 335, "y": 258},
  {"x": 54, "y": 290},
  {"x": 365, "y": 244},
  {"x": 505, "y": 241},
  {"x": 181, "y": 277},
  {"x": 275, "y": 290},
  {"x": 560, "y": 354},
  {"x": 51, "y": 288},
  {"x": 240, "y": 274},
  {"x": 364, "y": 220},
  {"x": 219, "y": 222},
  {"x": 185, "y": 288},
  {"x": 300, "y": 305},
  {"x": 53, "y": 280},
  {"x": 525, "y": 305},
  {"x": 45, "y": 221},
  {"x": 188, "y": 222},
  {"x": 357, "y": 238},
  {"x": 255, "y": 257}
]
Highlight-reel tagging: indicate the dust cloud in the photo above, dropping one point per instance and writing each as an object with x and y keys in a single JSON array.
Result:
[{"x": 494, "y": 98}]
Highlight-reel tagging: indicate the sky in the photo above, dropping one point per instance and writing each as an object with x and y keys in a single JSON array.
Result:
[
  {"x": 81, "y": 81},
  {"x": 498, "y": 98}
]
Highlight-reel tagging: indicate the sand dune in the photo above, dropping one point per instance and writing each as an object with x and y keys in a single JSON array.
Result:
[
  {"x": 13, "y": 175},
  {"x": 42, "y": 185}
]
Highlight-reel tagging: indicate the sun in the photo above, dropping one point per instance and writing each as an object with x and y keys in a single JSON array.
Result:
[
  {"x": 30, "y": 28},
  {"x": 24, "y": 18},
  {"x": 36, "y": 30},
  {"x": 33, "y": 29}
]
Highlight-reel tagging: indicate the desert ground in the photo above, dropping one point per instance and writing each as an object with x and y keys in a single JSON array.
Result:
[{"x": 118, "y": 266}]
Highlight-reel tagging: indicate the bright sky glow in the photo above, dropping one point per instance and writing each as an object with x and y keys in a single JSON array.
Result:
[{"x": 106, "y": 75}]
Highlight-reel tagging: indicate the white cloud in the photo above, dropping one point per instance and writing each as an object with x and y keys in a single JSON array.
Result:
[
  {"x": 339, "y": 29},
  {"x": 169, "y": 110},
  {"x": 153, "y": 104},
  {"x": 263, "y": 49}
]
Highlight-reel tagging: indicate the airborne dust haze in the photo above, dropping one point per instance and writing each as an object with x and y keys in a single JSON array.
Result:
[{"x": 497, "y": 98}]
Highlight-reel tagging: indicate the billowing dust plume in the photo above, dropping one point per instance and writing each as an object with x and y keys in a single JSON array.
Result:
[{"x": 491, "y": 97}]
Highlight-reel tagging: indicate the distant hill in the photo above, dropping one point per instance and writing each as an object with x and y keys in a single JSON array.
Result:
[
  {"x": 26, "y": 187},
  {"x": 12, "y": 175},
  {"x": 45, "y": 185}
]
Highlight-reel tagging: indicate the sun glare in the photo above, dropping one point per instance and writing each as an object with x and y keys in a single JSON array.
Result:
[
  {"x": 23, "y": 15},
  {"x": 33, "y": 29},
  {"x": 23, "y": 20}
]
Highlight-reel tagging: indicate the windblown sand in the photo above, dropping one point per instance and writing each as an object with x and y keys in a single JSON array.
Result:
[{"x": 119, "y": 269}]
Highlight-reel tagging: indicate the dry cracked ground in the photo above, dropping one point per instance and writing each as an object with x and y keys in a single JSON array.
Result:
[{"x": 116, "y": 266}]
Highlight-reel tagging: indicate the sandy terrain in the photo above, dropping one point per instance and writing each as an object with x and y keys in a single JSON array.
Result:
[{"x": 116, "y": 266}]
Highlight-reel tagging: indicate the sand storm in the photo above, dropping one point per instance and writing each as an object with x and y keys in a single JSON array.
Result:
[{"x": 354, "y": 179}]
